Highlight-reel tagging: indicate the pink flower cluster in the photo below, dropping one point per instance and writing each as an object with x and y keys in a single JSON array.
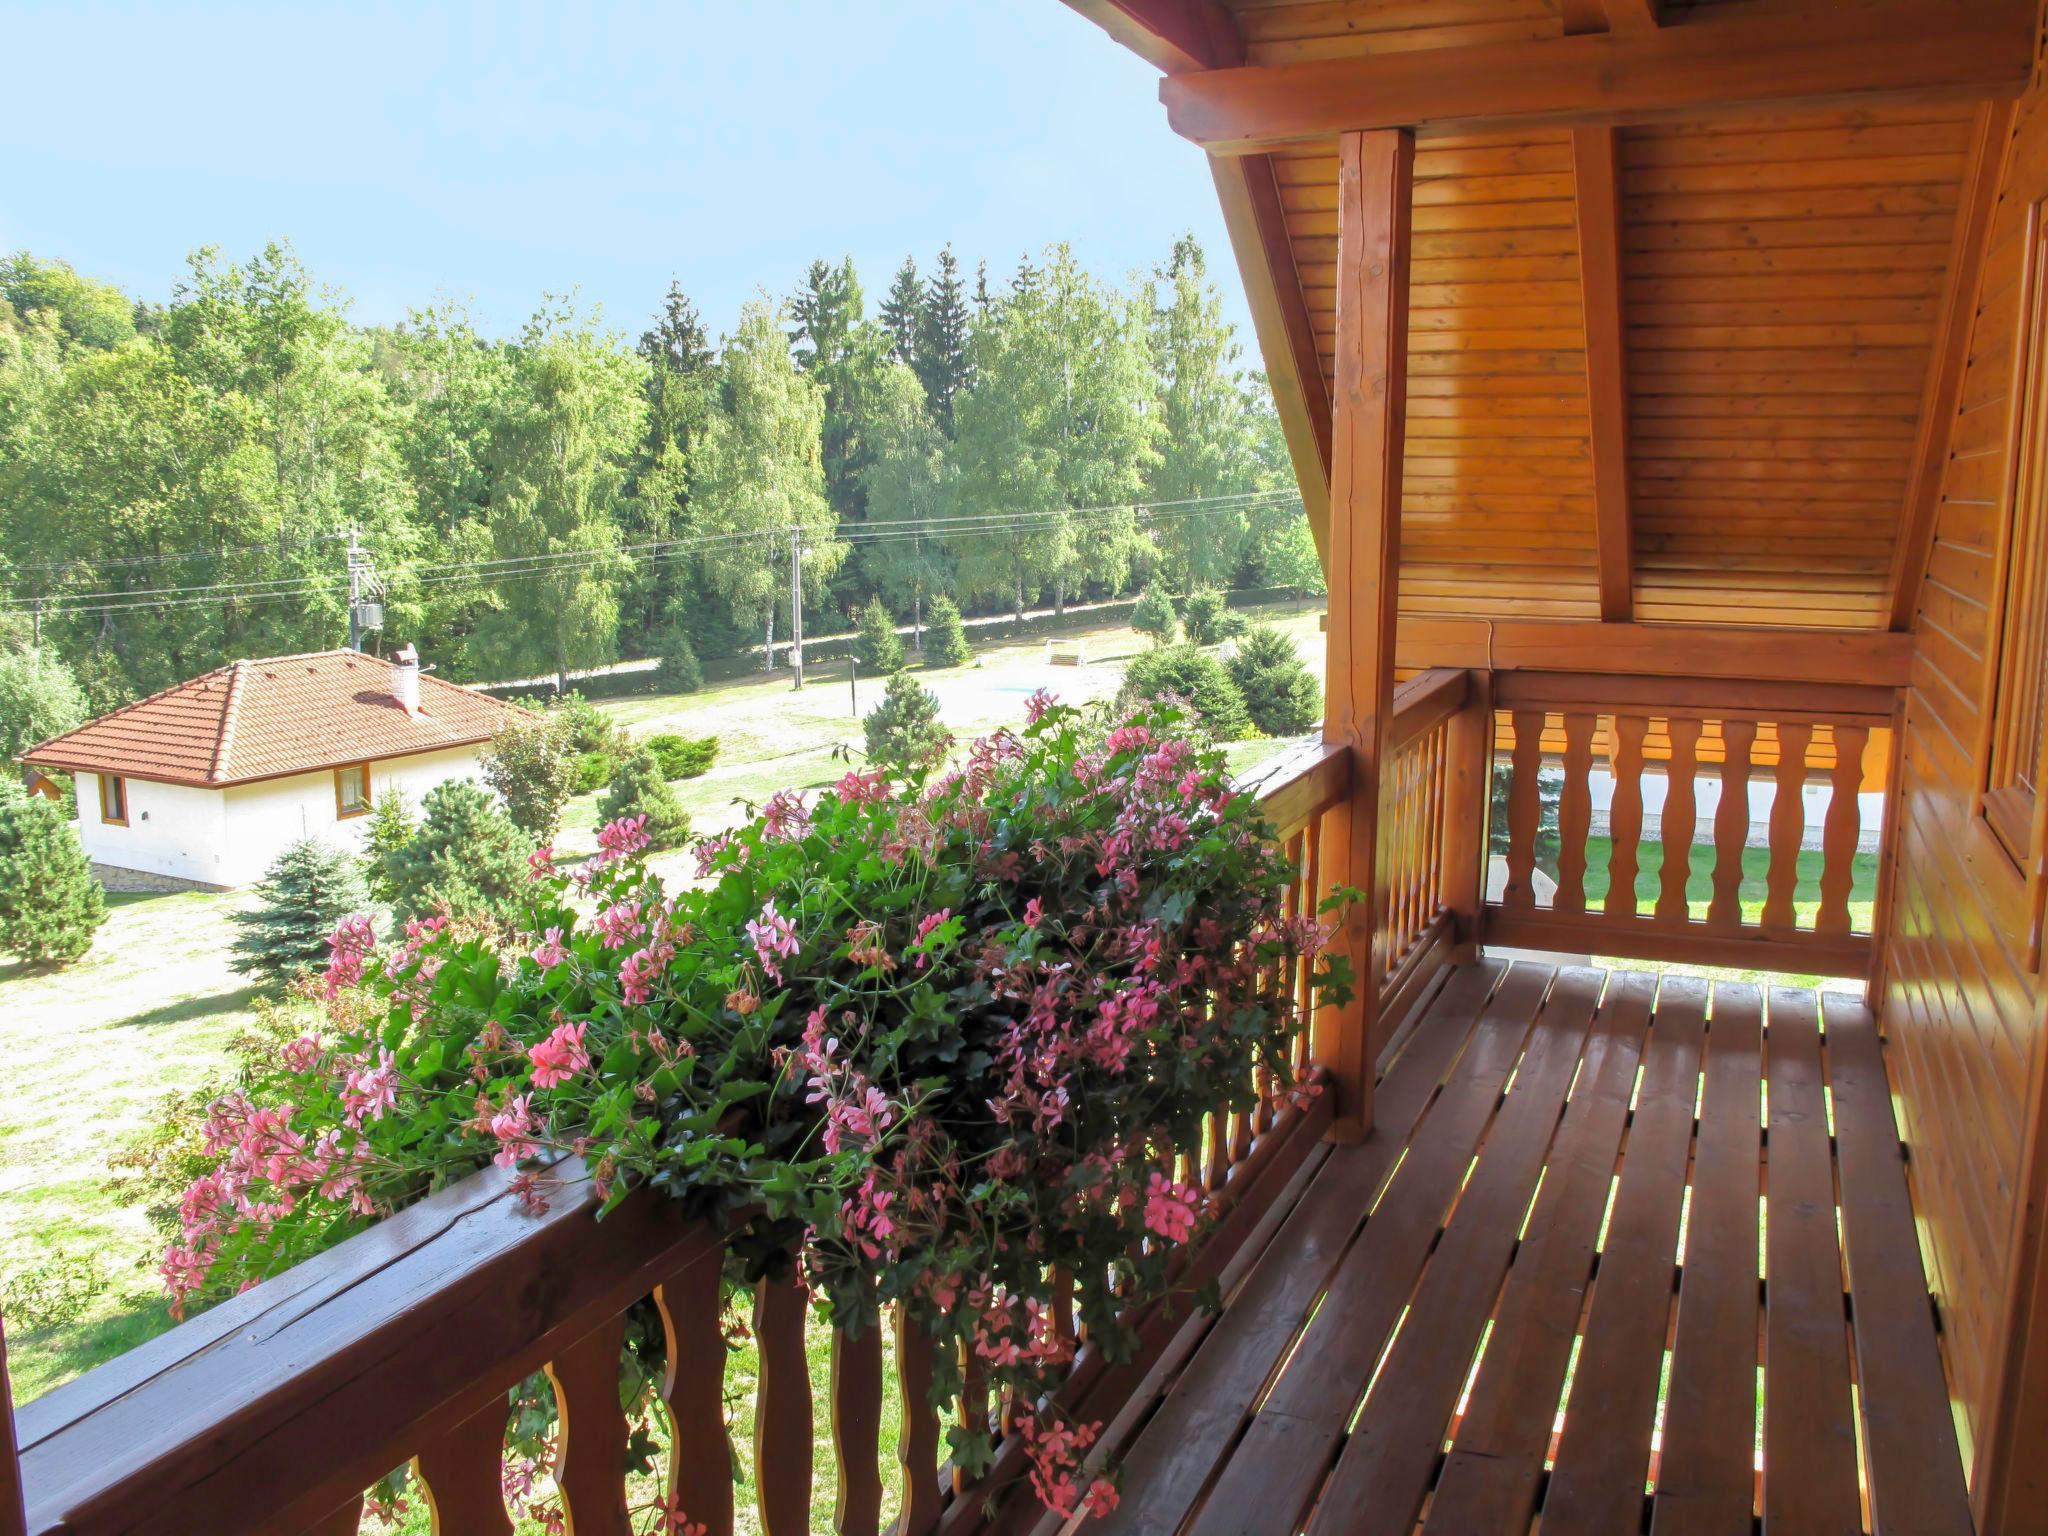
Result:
[
  {"x": 559, "y": 1057},
  {"x": 351, "y": 944},
  {"x": 773, "y": 937},
  {"x": 1058, "y": 1454}
]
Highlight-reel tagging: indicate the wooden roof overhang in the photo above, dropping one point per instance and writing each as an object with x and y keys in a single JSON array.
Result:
[{"x": 1690, "y": 293}]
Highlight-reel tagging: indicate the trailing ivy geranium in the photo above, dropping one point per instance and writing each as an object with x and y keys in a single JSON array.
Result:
[{"x": 935, "y": 1039}]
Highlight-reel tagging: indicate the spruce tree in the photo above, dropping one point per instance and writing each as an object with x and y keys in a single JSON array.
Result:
[
  {"x": 945, "y": 639},
  {"x": 903, "y": 312},
  {"x": 1191, "y": 674},
  {"x": 679, "y": 671},
  {"x": 903, "y": 731},
  {"x": 391, "y": 828},
  {"x": 1281, "y": 694},
  {"x": 303, "y": 898},
  {"x": 1209, "y": 619},
  {"x": 1154, "y": 615},
  {"x": 879, "y": 648},
  {"x": 50, "y": 905},
  {"x": 466, "y": 858},
  {"x": 941, "y": 361},
  {"x": 638, "y": 789}
]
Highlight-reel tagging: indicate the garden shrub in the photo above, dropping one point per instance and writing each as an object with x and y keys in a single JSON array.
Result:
[
  {"x": 466, "y": 860},
  {"x": 679, "y": 671},
  {"x": 50, "y": 904},
  {"x": 391, "y": 828},
  {"x": 51, "y": 1291},
  {"x": 934, "y": 1036},
  {"x": 903, "y": 731},
  {"x": 1280, "y": 693},
  {"x": 945, "y": 636},
  {"x": 301, "y": 900},
  {"x": 1208, "y": 620},
  {"x": 594, "y": 770},
  {"x": 682, "y": 757},
  {"x": 1155, "y": 616},
  {"x": 640, "y": 789},
  {"x": 1191, "y": 673},
  {"x": 880, "y": 648},
  {"x": 533, "y": 766},
  {"x": 590, "y": 728}
]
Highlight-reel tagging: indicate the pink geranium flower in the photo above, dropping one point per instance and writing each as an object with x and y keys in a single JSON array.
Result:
[
  {"x": 549, "y": 952},
  {"x": 559, "y": 1057},
  {"x": 1170, "y": 1209}
]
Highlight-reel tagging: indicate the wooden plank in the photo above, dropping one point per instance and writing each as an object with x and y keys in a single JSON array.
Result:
[
  {"x": 1167, "y": 1468},
  {"x": 1292, "y": 1440},
  {"x": 1898, "y": 50},
  {"x": 1646, "y": 938},
  {"x": 1704, "y": 697},
  {"x": 1468, "y": 799},
  {"x": 1809, "y": 1428},
  {"x": 1732, "y": 651},
  {"x": 1705, "y": 1480},
  {"x": 1492, "y": 1476},
  {"x": 1391, "y": 1452},
  {"x": 1915, "y": 1468},
  {"x": 13, "y": 1507},
  {"x": 1603, "y": 1452},
  {"x": 1375, "y": 175},
  {"x": 1595, "y": 157},
  {"x": 1948, "y": 358},
  {"x": 1175, "y": 35}
]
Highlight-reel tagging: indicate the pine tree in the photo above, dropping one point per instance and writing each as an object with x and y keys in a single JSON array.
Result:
[
  {"x": 1154, "y": 615},
  {"x": 903, "y": 731},
  {"x": 941, "y": 361},
  {"x": 945, "y": 641},
  {"x": 466, "y": 858},
  {"x": 302, "y": 899},
  {"x": 879, "y": 648},
  {"x": 1280, "y": 693},
  {"x": 903, "y": 312},
  {"x": 638, "y": 789},
  {"x": 50, "y": 904}
]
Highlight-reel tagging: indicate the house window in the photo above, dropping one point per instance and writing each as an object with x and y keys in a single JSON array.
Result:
[
  {"x": 352, "y": 790},
  {"x": 113, "y": 800},
  {"x": 2018, "y": 695}
]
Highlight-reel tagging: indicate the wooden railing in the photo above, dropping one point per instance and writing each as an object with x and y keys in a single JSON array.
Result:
[
  {"x": 1748, "y": 905},
  {"x": 275, "y": 1410}
]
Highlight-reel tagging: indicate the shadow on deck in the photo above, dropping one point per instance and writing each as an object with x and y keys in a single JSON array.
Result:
[{"x": 1576, "y": 1274}]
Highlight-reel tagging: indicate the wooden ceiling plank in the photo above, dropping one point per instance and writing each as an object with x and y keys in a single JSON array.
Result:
[
  {"x": 1178, "y": 36},
  {"x": 1890, "y": 50},
  {"x": 1596, "y": 154},
  {"x": 1948, "y": 360}
]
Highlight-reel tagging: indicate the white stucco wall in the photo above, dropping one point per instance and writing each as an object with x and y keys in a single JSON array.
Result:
[{"x": 231, "y": 836}]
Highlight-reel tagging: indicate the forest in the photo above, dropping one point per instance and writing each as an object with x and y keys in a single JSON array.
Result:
[{"x": 183, "y": 483}]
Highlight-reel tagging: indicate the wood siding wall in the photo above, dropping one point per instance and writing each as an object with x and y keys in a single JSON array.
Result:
[{"x": 1961, "y": 1013}]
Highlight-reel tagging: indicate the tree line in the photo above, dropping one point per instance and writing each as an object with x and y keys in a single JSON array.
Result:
[{"x": 176, "y": 480}]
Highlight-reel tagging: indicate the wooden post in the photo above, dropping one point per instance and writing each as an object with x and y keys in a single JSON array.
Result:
[
  {"x": 1468, "y": 796},
  {"x": 13, "y": 1503},
  {"x": 1374, "y": 177}
]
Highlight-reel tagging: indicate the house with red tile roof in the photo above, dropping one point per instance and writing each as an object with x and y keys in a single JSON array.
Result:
[{"x": 205, "y": 783}]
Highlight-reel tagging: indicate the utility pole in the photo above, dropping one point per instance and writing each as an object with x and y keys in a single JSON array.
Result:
[
  {"x": 355, "y": 590},
  {"x": 796, "y": 604}
]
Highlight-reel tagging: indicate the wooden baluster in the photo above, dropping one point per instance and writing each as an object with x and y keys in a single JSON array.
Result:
[
  {"x": 345, "y": 1521},
  {"x": 1842, "y": 830},
  {"x": 782, "y": 1409},
  {"x": 1681, "y": 815},
  {"x": 1408, "y": 860},
  {"x": 1575, "y": 813},
  {"x": 1219, "y": 1149},
  {"x": 1788, "y": 827},
  {"x": 857, "y": 1429},
  {"x": 1525, "y": 811},
  {"x": 693, "y": 1389},
  {"x": 462, "y": 1470},
  {"x": 1625, "y": 815},
  {"x": 590, "y": 1466},
  {"x": 1731, "y": 825},
  {"x": 1312, "y": 902},
  {"x": 1063, "y": 1306},
  {"x": 973, "y": 1407},
  {"x": 917, "y": 1443},
  {"x": 1468, "y": 796},
  {"x": 1242, "y": 1127},
  {"x": 1439, "y": 803}
]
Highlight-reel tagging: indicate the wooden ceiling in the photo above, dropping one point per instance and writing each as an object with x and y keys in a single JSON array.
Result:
[{"x": 1675, "y": 369}]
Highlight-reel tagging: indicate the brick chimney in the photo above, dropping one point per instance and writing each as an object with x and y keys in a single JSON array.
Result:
[{"x": 405, "y": 680}]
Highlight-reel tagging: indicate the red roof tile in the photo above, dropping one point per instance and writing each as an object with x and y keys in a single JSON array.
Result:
[{"x": 263, "y": 719}]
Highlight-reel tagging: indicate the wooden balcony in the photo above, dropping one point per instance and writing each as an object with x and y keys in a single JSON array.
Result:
[{"x": 1618, "y": 1252}]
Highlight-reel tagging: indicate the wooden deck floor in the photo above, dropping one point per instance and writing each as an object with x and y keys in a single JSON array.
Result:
[{"x": 1585, "y": 1273}]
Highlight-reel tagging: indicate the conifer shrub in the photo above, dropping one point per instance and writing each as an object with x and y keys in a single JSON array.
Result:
[
  {"x": 683, "y": 757},
  {"x": 1189, "y": 673},
  {"x": 590, "y": 728},
  {"x": 391, "y": 828},
  {"x": 903, "y": 731},
  {"x": 880, "y": 648},
  {"x": 302, "y": 899},
  {"x": 50, "y": 904},
  {"x": 639, "y": 788},
  {"x": 594, "y": 770},
  {"x": 1281, "y": 694},
  {"x": 466, "y": 859},
  {"x": 679, "y": 671},
  {"x": 1154, "y": 615},
  {"x": 1209, "y": 620},
  {"x": 945, "y": 637}
]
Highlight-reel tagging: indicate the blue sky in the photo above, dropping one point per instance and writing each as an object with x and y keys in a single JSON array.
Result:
[{"x": 500, "y": 151}]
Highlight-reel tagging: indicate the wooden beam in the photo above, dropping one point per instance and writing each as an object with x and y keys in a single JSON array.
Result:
[
  {"x": 1611, "y": 16},
  {"x": 1950, "y": 356},
  {"x": 1736, "y": 651},
  {"x": 1176, "y": 35},
  {"x": 1375, "y": 180},
  {"x": 1596, "y": 169},
  {"x": 1910, "y": 51}
]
